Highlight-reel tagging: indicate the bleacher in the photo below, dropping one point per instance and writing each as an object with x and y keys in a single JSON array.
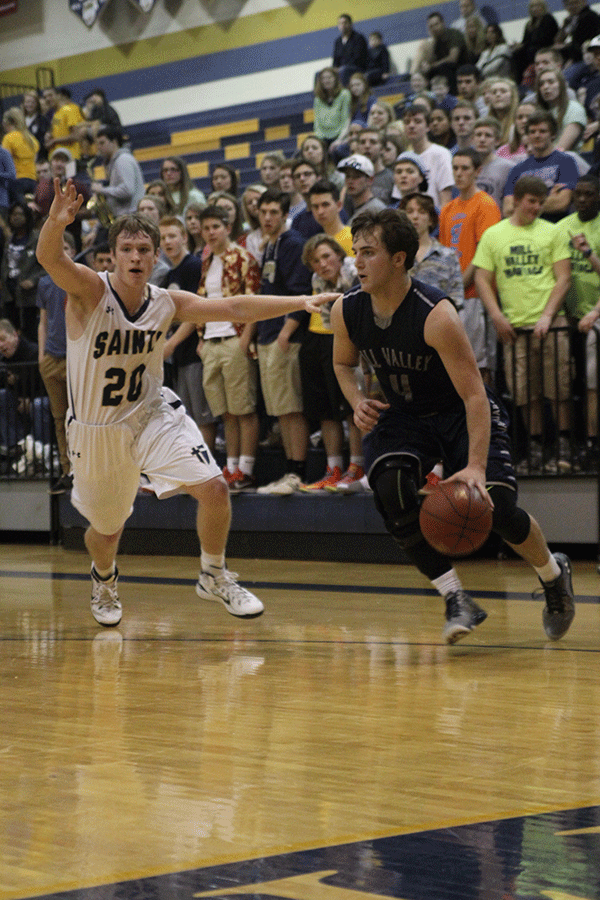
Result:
[{"x": 239, "y": 135}]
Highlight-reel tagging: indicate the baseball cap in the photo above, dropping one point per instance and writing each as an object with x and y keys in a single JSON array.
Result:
[
  {"x": 357, "y": 163},
  {"x": 61, "y": 151}
]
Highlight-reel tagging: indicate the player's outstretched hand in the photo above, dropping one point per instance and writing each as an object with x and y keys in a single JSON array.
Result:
[
  {"x": 312, "y": 304},
  {"x": 366, "y": 413},
  {"x": 66, "y": 203}
]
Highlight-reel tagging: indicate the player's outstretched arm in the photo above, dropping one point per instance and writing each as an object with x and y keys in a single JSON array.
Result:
[
  {"x": 75, "y": 279},
  {"x": 245, "y": 308}
]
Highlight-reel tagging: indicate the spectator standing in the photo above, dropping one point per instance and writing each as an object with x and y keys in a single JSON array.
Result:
[
  {"x": 434, "y": 264},
  {"x": 449, "y": 50},
  {"x": 254, "y": 236},
  {"x": 35, "y": 120},
  {"x": 326, "y": 206},
  {"x": 52, "y": 355},
  {"x": 514, "y": 149},
  {"x": 370, "y": 144},
  {"x": 224, "y": 178},
  {"x": 331, "y": 106},
  {"x": 305, "y": 174},
  {"x": 350, "y": 50},
  {"x": 440, "y": 129},
  {"x": 409, "y": 176},
  {"x": 462, "y": 119},
  {"x": 463, "y": 223},
  {"x": 314, "y": 150},
  {"x": 8, "y": 180},
  {"x": 557, "y": 169},
  {"x": 159, "y": 188},
  {"x": 278, "y": 339},
  {"x": 539, "y": 32},
  {"x": 359, "y": 174},
  {"x": 23, "y": 147},
  {"x": 20, "y": 270},
  {"x": 66, "y": 121},
  {"x": 468, "y": 81},
  {"x": 125, "y": 181},
  {"x": 270, "y": 167},
  {"x": 504, "y": 99},
  {"x": 361, "y": 101},
  {"x": 522, "y": 277},
  {"x": 494, "y": 170},
  {"x": 60, "y": 160},
  {"x": 185, "y": 274},
  {"x": 153, "y": 207},
  {"x": 436, "y": 160},
  {"x": 98, "y": 111},
  {"x": 174, "y": 173},
  {"x": 288, "y": 186},
  {"x": 230, "y": 377}
]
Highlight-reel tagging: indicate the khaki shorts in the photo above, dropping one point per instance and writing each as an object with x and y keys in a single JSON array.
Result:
[
  {"x": 230, "y": 377},
  {"x": 523, "y": 362},
  {"x": 280, "y": 378},
  {"x": 107, "y": 460}
]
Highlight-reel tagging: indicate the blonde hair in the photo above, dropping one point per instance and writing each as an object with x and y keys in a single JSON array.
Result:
[{"x": 15, "y": 118}]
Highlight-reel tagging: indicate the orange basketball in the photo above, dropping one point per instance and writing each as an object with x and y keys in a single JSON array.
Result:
[{"x": 455, "y": 519}]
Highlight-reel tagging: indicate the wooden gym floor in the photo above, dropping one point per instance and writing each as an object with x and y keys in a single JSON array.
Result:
[{"x": 333, "y": 749}]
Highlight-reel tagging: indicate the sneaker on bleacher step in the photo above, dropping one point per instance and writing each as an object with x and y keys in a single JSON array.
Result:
[
  {"x": 328, "y": 482},
  {"x": 289, "y": 484},
  {"x": 230, "y": 476},
  {"x": 350, "y": 482}
]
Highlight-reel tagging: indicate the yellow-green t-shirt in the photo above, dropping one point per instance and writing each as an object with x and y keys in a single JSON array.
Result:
[
  {"x": 584, "y": 292},
  {"x": 522, "y": 257}
]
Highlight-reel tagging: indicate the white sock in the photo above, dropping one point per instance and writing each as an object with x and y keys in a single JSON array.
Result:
[
  {"x": 247, "y": 465},
  {"x": 213, "y": 564},
  {"x": 358, "y": 461},
  {"x": 232, "y": 463},
  {"x": 105, "y": 574},
  {"x": 447, "y": 583},
  {"x": 333, "y": 461},
  {"x": 548, "y": 572}
]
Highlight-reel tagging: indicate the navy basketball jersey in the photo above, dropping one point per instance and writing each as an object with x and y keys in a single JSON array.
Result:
[{"x": 410, "y": 372}]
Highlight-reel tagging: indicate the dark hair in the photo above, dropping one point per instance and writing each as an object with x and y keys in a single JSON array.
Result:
[
  {"x": 416, "y": 109},
  {"x": 232, "y": 174},
  {"x": 497, "y": 31},
  {"x": 325, "y": 187},
  {"x": 590, "y": 179},
  {"x": 540, "y": 116},
  {"x": 274, "y": 195},
  {"x": 427, "y": 205},
  {"x": 133, "y": 223},
  {"x": 98, "y": 91},
  {"x": 473, "y": 155},
  {"x": 529, "y": 184},
  {"x": 214, "y": 212},
  {"x": 397, "y": 233},
  {"x": 346, "y": 16},
  {"x": 111, "y": 133},
  {"x": 468, "y": 69},
  {"x": 300, "y": 161},
  {"x": 101, "y": 248},
  {"x": 20, "y": 204},
  {"x": 237, "y": 226},
  {"x": 435, "y": 15}
]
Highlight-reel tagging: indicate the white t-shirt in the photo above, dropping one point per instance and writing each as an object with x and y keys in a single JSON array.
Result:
[{"x": 437, "y": 160}]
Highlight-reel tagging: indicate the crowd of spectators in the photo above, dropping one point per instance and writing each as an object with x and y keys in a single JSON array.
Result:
[{"x": 492, "y": 156}]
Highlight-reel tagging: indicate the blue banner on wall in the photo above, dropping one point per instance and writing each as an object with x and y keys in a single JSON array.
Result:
[{"x": 87, "y": 10}]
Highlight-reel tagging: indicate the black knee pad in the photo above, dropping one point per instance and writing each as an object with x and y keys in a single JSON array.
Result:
[
  {"x": 395, "y": 481},
  {"x": 509, "y": 521}
]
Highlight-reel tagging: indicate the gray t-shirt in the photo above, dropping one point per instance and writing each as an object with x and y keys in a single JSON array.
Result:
[{"x": 492, "y": 177}]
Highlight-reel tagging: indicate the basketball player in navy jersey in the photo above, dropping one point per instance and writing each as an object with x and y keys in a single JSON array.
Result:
[
  {"x": 437, "y": 408},
  {"x": 121, "y": 420}
]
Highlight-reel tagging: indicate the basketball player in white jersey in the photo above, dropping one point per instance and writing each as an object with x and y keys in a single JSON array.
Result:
[{"x": 121, "y": 420}]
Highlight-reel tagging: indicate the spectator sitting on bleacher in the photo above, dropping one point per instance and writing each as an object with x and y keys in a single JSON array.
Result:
[
  {"x": 350, "y": 50},
  {"x": 467, "y": 10},
  {"x": 468, "y": 80},
  {"x": 443, "y": 53},
  {"x": 361, "y": 101},
  {"x": 540, "y": 31},
  {"x": 441, "y": 93},
  {"x": 331, "y": 106},
  {"x": 175, "y": 174},
  {"x": 440, "y": 129},
  {"x": 224, "y": 178},
  {"x": 581, "y": 24},
  {"x": 378, "y": 59},
  {"x": 495, "y": 58},
  {"x": 270, "y": 166},
  {"x": 159, "y": 188},
  {"x": 393, "y": 145}
]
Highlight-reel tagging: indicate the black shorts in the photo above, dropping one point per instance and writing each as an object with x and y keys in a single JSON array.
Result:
[
  {"x": 322, "y": 396},
  {"x": 441, "y": 436}
]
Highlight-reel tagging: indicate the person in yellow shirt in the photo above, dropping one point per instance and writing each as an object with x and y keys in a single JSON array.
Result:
[
  {"x": 23, "y": 147},
  {"x": 325, "y": 204},
  {"x": 68, "y": 121}
]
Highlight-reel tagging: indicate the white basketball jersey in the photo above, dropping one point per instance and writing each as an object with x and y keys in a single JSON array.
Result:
[{"x": 116, "y": 367}]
